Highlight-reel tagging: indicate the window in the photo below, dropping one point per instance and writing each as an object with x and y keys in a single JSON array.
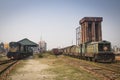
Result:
[{"x": 104, "y": 47}]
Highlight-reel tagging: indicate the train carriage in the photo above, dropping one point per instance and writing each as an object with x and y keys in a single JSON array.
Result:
[
  {"x": 75, "y": 50},
  {"x": 57, "y": 51}
]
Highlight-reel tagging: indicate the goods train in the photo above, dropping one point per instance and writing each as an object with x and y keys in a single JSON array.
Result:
[
  {"x": 57, "y": 51},
  {"x": 17, "y": 51},
  {"x": 94, "y": 51}
]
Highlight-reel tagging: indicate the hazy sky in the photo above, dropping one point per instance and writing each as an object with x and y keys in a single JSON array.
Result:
[{"x": 56, "y": 20}]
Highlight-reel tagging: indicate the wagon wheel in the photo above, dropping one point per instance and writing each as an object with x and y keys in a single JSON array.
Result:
[
  {"x": 90, "y": 58},
  {"x": 94, "y": 58}
]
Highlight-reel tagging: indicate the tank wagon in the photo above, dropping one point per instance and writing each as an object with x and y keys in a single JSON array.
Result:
[{"x": 94, "y": 51}]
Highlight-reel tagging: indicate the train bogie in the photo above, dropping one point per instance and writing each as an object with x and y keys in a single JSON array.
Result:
[{"x": 104, "y": 57}]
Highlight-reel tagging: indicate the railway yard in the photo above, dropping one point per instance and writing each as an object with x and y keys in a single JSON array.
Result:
[
  {"x": 90, "y": 59},
  {"x": 50, "y": 67},
  {"x": 59, "y": 40}
]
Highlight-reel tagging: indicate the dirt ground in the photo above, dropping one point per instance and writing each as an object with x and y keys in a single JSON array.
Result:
[
  {"x": 32, "y": 70},
  {"x": 48, "y": 68}
]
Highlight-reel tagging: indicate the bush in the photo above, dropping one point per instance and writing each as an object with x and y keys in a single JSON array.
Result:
[{"x": 40, "y": 55}]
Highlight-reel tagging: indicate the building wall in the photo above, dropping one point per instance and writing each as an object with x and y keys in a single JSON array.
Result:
[
  {"x": 91, "y": 29},
  {"x": 42, "y": 46}
]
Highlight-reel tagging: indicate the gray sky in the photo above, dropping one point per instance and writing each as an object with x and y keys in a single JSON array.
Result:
[{"x": 56, "y": 20}]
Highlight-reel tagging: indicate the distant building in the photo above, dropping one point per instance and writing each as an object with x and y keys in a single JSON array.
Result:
[
  {"x": 1, "y": 47},
  {"x": 42, "y": 46},
  {"x": 6, "y": 47},
  {"x": 116, "y": 49},
  {"x": 2, "y": 50},
  {"x": 27, "y": 44}
]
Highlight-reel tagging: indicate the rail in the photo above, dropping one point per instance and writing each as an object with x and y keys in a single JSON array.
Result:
[
  {"x": 5, "y": 68},
  {"x": 105, "y": 71}
]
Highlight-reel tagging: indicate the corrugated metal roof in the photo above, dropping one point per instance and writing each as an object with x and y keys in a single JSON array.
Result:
[{"x": 27, "y": 42}]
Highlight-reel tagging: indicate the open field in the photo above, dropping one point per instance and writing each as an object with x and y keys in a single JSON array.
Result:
[{"x": 49, "y": 67}]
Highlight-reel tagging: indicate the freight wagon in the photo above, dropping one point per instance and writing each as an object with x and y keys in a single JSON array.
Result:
[
  {"x": 94, "y": 51},
  {"x": 57, "y": 51}
]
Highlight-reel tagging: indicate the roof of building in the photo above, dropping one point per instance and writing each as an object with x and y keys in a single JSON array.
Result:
[
  {"x": 27, "y": 42},
  {"x": 90, "y": 19},
  {"x": 42, "y": 41}
]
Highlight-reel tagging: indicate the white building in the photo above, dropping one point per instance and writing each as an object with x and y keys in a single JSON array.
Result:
[
  {"x": 42, "y": 46},
  {"x": 116, "y": 49}
]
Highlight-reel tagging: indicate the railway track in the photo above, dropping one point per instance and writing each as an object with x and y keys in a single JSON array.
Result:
[
  {"x": 102, "y": 70},
  {"x": 5, "y": 61},
  {"x": 113, "y": 67},
  {"x": 108, "y": 71},
  {"x": 5, "y": 67}
]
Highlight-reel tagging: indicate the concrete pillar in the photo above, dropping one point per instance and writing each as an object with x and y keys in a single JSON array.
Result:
[
  {"x": 85, "y": 30},
  {"x": 100, "y": 31},
  {"x": 84, "y": 33},
  {"x": 81, "y": 34},
  {"x": 93, "y": 31},
  {"x": 86, "y": 25}
]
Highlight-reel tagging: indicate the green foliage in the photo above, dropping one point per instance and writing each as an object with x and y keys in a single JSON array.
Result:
[
  {"x": 45, "y": 55},
  {"x": 40, "y": 55}
]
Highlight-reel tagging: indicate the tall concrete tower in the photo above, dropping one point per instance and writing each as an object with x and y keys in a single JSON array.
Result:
[{"x": 91, "y": 29}]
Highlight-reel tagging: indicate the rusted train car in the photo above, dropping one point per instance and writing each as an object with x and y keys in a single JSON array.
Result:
[
  {"x": 94, "y": 51},
  {"x": 57, "y": 51}
]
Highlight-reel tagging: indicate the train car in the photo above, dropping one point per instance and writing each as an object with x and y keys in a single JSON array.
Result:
[
  {"x": 57, "y": 51},
  {"x": 75, "y": 50},
  {"x": 64, "y": 51},
  {"x": 94, "y": 51},
  {"x": 67, "y": 50},
  {"x": 17, "y": 51},
  {"x": 98, "y": 51},
  {"x": 14, "y": 49},
  {"x": 72, "y": 50}
]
